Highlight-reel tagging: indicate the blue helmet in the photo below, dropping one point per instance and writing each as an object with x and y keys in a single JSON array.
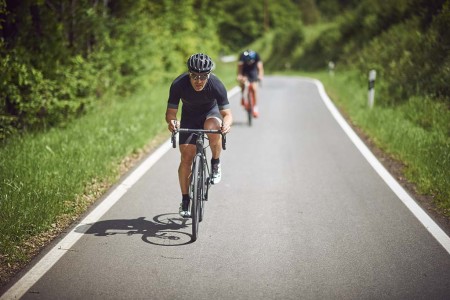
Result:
[
  {"x": 249, "y": 55},
  {"x": 200, "y": 63}
]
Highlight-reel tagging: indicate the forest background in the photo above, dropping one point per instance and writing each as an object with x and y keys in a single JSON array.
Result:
[{"x": 65, "y": 61}]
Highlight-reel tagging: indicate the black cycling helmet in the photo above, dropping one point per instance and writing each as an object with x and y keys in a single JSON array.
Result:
[
  {"x": 200, "y": 63},
  {"x": 249, "y": 55}
]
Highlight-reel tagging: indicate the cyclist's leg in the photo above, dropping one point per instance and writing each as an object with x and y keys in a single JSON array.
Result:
[
  {"x": 187, "y": 150},
  {"x": 253, "y": 80},
  {"x": 214, "y": 122},
  {"x": 254, "y": 90},
  {"x": 242, "y": 86},
  {"x": 184, "y": 170}
]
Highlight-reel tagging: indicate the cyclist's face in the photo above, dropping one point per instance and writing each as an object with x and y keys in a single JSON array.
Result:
[{"x": 198, "y": 80}]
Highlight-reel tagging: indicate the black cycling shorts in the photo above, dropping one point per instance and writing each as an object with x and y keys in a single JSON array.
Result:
[
  {"x": 196, "y": 122},
  {"x": 252, "y": 75}
]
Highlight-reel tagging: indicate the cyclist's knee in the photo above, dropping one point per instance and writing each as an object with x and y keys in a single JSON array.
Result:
[
  {"x": 187, "y": 154},
  {"x": 212, "y": 124}
]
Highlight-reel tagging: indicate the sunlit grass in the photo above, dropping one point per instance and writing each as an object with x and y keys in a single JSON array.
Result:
[
  {"x": 43, "y": 175},
  {"x": 226, "y": 72}
]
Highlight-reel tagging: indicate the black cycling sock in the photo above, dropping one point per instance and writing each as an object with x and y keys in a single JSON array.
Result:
[
  {"x": 185, "y": 202},
  {"x": 215, "y": 161}
]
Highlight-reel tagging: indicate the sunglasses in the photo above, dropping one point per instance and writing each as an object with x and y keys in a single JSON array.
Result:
[{"x": 200, "y": 77}]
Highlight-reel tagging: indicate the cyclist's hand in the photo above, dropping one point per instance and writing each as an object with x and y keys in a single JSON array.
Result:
[
  {"x": 241, "y": 79},
  {"x": 225, "y": 128},
  {"x": 173, "y": 125}
]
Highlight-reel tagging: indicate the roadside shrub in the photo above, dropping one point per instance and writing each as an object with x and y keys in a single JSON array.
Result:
[
  {"x": 390, "y": 54},
  {"x": 409, "y": 61},
  {"x": 323, "y": 49},
  {"x": 31, "y": 101},
  {"x": 283, "y": 45}
]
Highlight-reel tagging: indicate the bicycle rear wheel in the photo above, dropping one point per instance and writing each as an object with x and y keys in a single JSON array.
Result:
[
  {"x": 250, "y": 103},
  {"x": 197, "y": 192}
]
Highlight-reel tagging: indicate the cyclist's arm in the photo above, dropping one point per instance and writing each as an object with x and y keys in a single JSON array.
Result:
[
  {"x": 227, "y": 120},
  {"x": 171, "y": 118},
  {"x": 239, "y": 70},
  {"x": 260, "y": 67}
]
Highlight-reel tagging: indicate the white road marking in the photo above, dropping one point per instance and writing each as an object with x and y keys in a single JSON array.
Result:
[
  {"x": 32, "y": 276},
  {"x": 418, "y": 212}
]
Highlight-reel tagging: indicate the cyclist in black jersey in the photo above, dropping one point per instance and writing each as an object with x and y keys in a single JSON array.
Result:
[
  {"x": 205, "y": 106},
  {"x": 250, "y": 67}
]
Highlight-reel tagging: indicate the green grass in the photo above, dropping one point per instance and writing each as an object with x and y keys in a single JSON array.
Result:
[
  {"x": 227, "y": 72},
  {"x": 44, "y": 174}
]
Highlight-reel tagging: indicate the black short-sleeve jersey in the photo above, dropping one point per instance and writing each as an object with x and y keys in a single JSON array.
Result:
[{"x": 197, "y": 103}]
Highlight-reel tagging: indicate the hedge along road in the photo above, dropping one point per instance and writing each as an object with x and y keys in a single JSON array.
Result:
[{"x": 301, "y": 212}]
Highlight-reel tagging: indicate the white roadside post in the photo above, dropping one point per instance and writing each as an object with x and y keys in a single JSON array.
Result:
[
  {"x": 372, "y": 76},
  {"x": 331, "y": 67}
]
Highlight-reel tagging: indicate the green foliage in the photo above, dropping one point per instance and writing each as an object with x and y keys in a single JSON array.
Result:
[
  {"x": 57, "y": 60},
  {"x": 330, "y": 9},
  {"x": 405, "y": 41},
  {"x": 310, "y": 14},
  {"x": 283, "y": 45},
  {"x": 411, "y": 61},
  {"x": 246, "y": 21},
  {"x": 320, "y": 51},
  {"x": 34, "y": 101}
]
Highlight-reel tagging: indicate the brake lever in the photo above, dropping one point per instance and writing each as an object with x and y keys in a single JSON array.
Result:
[
  {"x": 224, "y": 141},
  {"x": 173, "y": 139}
]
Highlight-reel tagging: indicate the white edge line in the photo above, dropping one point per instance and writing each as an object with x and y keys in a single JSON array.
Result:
[
  {"x": 34, "y": 274},
  {"x": 418, "y": 212}
]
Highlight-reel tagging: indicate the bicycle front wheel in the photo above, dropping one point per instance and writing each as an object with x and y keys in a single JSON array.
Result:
[{"x": 197, "y": 192}]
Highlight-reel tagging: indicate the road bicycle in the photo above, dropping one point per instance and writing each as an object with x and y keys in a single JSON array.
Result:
[{"x": 201, "y": 178}]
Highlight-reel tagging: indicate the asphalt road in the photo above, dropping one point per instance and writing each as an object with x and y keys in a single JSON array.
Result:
[{"x": 299, "y": 214}]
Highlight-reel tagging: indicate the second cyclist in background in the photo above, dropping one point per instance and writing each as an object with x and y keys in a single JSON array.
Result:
[{"x": 250, "y": 67}]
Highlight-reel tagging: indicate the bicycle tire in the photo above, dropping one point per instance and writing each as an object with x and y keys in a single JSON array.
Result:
[
  {"x": 204, "y": 192},
  {"x": 250, "y": 99},
  {"x": 196, "y": 201}
]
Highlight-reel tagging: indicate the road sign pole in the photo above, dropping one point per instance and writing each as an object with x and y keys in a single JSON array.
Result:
[{"x": 372, "y": 76}]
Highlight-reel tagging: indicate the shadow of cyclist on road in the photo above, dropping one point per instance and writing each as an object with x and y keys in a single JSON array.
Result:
[{"x": 164, "y": 230}]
